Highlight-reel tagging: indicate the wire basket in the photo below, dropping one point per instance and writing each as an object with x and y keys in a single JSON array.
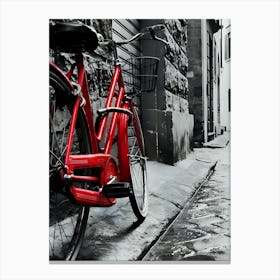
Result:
[{"x": 140, "y": 74}]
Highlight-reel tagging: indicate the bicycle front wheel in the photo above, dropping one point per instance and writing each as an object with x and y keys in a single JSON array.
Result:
[
  {"x": 133, "y": 164},
  {"x": 67, "y": 220}
]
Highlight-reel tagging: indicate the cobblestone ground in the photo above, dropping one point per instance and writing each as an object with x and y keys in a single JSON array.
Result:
[{"x": 202, "y": 232}]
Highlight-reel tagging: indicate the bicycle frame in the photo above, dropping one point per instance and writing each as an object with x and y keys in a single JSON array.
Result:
[{"x": 102, "y": 161}]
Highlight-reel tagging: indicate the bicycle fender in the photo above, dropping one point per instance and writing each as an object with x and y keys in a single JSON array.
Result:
[{"x": 55, "y": 69}]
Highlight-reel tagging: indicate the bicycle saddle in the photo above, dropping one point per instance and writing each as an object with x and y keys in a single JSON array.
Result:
[{"x": 72, "y": 38}]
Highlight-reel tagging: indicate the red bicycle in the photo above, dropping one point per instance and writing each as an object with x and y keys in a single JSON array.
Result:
[{"x": 82, "y": 170}]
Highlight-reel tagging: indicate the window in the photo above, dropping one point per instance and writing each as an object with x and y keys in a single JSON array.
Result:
[
  {"x": 227, "y": 46},
  {"x": 215, "y": 60},
  {"x": 229, "y": 101}
]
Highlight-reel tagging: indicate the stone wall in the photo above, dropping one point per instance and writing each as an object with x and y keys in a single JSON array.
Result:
[
  {"x": 99, "y": 69},
  {"x": 203, "y": 103},
  {"x": 166, "y": 120}
]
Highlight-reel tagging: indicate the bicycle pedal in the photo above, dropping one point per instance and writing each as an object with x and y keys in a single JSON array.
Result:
[{"x": 117, "y": 190}]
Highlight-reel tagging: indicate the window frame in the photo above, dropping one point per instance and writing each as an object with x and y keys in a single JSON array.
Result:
[{"x": 228, "y": 46}]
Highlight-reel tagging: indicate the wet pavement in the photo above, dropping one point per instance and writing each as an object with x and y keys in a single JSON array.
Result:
[
  {"x": 201, "y": 232},
  {"x": 113, "y": 234}
]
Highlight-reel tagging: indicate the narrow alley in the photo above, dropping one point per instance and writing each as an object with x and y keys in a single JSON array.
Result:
[{"x": 201, "y": 232}]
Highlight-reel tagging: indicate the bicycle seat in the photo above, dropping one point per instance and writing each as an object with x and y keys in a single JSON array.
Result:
[{"x": 72, "y": 38}]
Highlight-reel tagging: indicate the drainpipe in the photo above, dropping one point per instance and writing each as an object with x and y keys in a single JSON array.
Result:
[
  {"x": 221, "y": 43},
  {"x": 204, "y": 77}
]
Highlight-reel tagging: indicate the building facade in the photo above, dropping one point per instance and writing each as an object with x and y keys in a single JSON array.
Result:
[
  {"x": 224, "y": 49},
  {"x": 209, "y": 78}
]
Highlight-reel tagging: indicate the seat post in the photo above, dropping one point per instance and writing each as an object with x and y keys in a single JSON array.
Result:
[
  {"x": 79, "y": 58},
  {"x": 58, "y": 59}
]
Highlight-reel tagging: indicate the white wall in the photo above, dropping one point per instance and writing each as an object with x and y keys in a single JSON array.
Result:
[
  {"x": 224, "y": 75},
  {"x": 225, "y": 78}
]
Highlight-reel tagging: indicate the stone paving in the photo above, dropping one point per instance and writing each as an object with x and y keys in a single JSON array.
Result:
[
  {"x": 202, "y": 231},
  {"x": 112, "y": 233}
]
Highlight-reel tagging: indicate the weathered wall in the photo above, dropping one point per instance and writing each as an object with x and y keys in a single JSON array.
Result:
[
  {"x": 166, "y": 120},
  {"x": 202, "y": 76},
  {"x": 225, "y": 79},
  {"x": 99, "y": 69},
  {"x": 195, "y": 78}
]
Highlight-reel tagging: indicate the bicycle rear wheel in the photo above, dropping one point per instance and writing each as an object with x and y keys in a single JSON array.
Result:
[
  {"x": 67, "y": 221},
  {"x": 133, "y": 164}
]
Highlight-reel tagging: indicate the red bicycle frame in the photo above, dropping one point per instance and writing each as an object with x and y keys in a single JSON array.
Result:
[{"x": 104, "y": 162}]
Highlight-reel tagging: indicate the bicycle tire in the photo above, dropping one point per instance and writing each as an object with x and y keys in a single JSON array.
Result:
[
  {"x": 133, "y": 166},
  {"x": 62, "y": 211}
]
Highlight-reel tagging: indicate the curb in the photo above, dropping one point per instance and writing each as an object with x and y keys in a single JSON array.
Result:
[
  {"x": 219, "y": 142},
  {"x": 215, "y": 146},
  {"x": 187, "y": 205}
]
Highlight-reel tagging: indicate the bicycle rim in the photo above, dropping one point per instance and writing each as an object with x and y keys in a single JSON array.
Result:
[
  {"x": 138, "y": 171},
  {"x": 67, "y": 221}
]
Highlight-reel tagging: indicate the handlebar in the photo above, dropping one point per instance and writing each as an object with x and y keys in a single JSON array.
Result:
[
  {"x": 127, "y": 41},
  {"x": 146, "y": 30},
  {"x": 152, "y": 32}
]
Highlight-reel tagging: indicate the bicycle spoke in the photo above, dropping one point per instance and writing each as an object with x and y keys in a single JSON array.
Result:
[
  {"x": 132, "y": 148},
  {"x": 61, "y": 150},
  {"x": 54, "y": 138},
  {"x": 63, "y": 245},
  {"x": 61, "y": 147},
  {"x": 136, "y": 179},
  {"x": 51, "y": 119},
  {"x": 51, "y": 247},
  {"x": 72, "y": 223}
]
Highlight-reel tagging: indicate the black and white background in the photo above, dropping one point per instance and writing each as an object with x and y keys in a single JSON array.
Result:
[{"x": 254, "y": 138}]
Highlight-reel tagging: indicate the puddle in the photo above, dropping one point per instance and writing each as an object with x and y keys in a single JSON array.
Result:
[{"x": 200, "y": 258}]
